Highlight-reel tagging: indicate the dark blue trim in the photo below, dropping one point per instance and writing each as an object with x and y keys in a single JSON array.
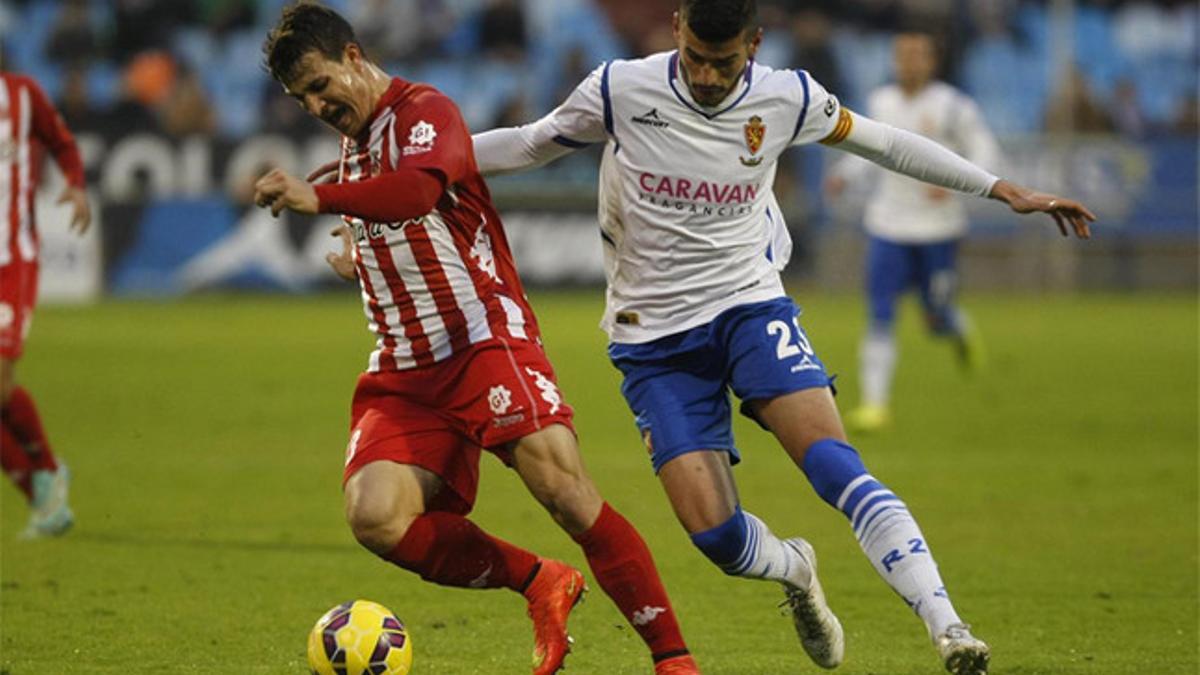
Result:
[
  {"x": 770, "y": 234},
  {"x": 803, "y": 111},
  {"x": 569, "y": 143},
  {"x": 605, "y": 237},
  {"x": 673, "y": 66},
  {"x": 604, "y": 94}
]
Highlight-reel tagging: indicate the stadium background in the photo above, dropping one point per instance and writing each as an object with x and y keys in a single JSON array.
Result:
[
  {"x": 175, "y": 117},
  {"x": 193, "y": 357}
]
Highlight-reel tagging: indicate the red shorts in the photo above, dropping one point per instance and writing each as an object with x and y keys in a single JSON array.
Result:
[
  {"x": 440, "y": 417},
  {"x": 18, "y": 294}
]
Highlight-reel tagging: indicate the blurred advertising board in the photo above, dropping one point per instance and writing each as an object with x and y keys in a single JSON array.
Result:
[{"x": 175, "y": 216}]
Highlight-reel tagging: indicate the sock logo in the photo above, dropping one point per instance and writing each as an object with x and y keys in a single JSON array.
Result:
[
  {"x": 647, "y": 614},
  {"x": 481, "y": 580}
]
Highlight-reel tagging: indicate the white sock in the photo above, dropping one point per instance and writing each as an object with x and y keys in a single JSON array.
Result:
[
  {"x": 877, "y": 362},
  {"x": 767, "y": 557},
  {"x": 894, "y": 544}
]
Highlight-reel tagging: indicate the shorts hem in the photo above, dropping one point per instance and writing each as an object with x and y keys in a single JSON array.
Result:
[{"x": 734, "y": 456}]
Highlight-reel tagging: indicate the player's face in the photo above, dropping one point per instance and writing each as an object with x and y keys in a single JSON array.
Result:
[
  {"x": 711, "y": 70},
  {"x": 335, "y": 92},
  {"x": 915, "y": 60}
]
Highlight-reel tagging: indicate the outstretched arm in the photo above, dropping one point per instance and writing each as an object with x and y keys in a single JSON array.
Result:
[
  {"x": 512, "y": 149},
  {"x": 925, "y": 160},
  {"x": 50, "y": 129},
  {"x": 577, "y": 123}
]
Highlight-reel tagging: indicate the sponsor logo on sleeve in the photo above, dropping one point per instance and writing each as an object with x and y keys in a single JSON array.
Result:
[{"x": 420, "y": 139}]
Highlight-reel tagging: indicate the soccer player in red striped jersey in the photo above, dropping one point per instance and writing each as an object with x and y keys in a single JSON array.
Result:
[
  {"x": 458, "y": 365},
  {"x": 30, "y": 126}
]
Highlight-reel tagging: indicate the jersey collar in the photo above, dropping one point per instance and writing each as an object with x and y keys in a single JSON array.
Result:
[{"x": 685, "y": 96}]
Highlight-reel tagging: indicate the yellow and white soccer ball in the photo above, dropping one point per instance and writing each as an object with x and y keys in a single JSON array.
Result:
[{"x": 359, "y": 638}]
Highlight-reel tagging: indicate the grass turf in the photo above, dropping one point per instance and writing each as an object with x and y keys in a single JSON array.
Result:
[{"x": 1058, "y": 490}]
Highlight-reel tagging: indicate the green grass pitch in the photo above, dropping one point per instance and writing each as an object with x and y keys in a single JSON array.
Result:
[{"x": 1058, "y": 490}]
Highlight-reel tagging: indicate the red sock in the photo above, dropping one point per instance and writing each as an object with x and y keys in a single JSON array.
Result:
[
  {"x": 450, "y": 550},
  {"x": 15, "y": 461},
  {"x": 22, "y": 418},
  {"x": 623, "y": 566}
]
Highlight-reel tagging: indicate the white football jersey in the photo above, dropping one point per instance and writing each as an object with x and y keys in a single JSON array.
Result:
[
  {"x": 687, "y": 214},
  {"x": 903, "y": 209}
]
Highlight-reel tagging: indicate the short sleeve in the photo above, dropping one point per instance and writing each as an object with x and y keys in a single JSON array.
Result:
[
  {"x": 819, "y": 111},
  {"x": 586, "y": 116},
  {"x": 430, "y": 134}
]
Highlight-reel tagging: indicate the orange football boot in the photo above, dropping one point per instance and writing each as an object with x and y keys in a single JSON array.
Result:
[{"x": 555, "y": 590}]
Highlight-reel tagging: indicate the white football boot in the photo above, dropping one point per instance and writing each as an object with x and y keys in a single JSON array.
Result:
[
  {"x": 50, "y": 515},
  {"x": 963, "y": 653},
  {"x": 819, "y": 630}
]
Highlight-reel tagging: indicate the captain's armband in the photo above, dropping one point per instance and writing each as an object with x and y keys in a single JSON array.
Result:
[{"x": 842, "y": 129}]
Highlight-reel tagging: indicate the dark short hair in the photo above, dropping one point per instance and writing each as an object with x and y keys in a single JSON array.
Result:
[
  {"x": 718, "y": 20},
  {"x": 305, "y": 27}
]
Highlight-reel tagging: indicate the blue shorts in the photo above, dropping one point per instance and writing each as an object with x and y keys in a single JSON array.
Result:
[
  {"x": 893, "y": 268},
  {"x": 678, "y": 386}
]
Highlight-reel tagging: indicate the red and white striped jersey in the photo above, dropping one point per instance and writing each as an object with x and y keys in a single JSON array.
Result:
[
  {"x": 432, "y": 285},
  {"x": 28, "y": 123}
]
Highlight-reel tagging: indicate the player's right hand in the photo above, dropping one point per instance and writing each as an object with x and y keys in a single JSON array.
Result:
[
  {"x": 81, "y": 215},
  {"x": 278, "y": 190},
  {"x": 343, "y": 262},
  {"x": 1068, "y": 214}
]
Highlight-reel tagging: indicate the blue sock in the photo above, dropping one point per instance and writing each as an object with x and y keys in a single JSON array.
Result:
[
  {"x": 726, "y": 544},
  {"x": 886, "y": 531},
  {"x": 743, "y": 546}
]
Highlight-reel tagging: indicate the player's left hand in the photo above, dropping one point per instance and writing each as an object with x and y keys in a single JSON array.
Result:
[
  {"x": 343, "y": 262},
  {"x": 279, "y": 190},
  {"x": 1065, "y": 211},
  {"x": 81, "y": 211}
]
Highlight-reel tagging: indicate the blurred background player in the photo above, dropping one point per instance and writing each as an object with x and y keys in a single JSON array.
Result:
[
  {"x": 693, "y": 245},
  {"x": 29, "y": 126},
  {"x": 914, "y": 228},
  {"x": 459, "y": 365}
]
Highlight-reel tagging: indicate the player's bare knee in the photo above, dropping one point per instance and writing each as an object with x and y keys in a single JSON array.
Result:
[{"x": 376, "y": 524}]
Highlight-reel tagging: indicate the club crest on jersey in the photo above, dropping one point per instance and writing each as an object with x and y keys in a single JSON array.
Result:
[
  {"x": 420, "y": 139},
  {"x": 754, "y": 132}
]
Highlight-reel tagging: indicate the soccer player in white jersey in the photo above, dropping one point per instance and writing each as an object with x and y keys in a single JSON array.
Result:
[
  {"x": 914, "y": 228},
  {"x": 693, "y": 244},
  {"x": 459, "y": 365}
]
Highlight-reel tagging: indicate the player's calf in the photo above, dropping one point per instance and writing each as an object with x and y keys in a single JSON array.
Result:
[{"x": 886, "y": 531}]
